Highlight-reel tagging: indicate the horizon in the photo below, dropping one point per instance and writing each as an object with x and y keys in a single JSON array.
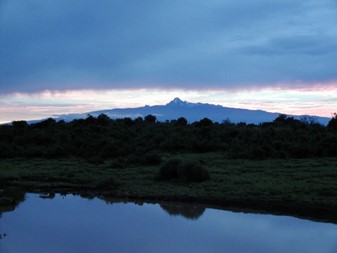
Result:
[
  {"x": 60, "y": 57},
  {"x": 173, "y": 100}
]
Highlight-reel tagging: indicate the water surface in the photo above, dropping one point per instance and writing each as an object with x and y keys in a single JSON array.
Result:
[{"x": 74, "y": 224}]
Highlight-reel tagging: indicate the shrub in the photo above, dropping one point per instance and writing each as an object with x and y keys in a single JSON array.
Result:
[
  {"x": 190, "y": 171},
  {"x": 169, "y": 169}
]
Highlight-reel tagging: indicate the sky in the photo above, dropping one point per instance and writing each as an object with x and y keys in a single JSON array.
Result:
[{"x": 64, "y": 56}]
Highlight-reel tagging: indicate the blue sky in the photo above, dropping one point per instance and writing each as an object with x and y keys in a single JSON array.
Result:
[{"x": 281, "y": 53}]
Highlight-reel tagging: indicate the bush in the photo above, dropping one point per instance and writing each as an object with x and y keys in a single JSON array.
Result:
[
  {"x": 169, "y": 169},
  {"x": 190, "y": 171}
]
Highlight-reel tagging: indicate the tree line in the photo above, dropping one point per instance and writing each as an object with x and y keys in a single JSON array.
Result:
[{"x": 140, "y": 140}]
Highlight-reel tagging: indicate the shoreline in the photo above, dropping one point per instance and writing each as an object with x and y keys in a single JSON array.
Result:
[
  {"x": 296, "y": 210},
  {"x": 300, "y": 188}
]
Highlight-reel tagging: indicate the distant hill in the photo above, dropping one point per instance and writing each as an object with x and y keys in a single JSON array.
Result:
[{"x": 193, "y": 112}]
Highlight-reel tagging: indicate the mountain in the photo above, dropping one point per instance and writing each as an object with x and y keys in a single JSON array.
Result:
[{"x": 193, "y": 112}]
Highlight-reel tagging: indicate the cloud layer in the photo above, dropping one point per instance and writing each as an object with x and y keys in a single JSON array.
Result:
[{"x": 112, "y": 44}]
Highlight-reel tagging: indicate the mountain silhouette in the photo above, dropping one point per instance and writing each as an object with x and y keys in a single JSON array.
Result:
[{"x": 193, "y": 112}]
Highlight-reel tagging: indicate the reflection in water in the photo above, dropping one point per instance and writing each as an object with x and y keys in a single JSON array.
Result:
[
  {"x": 188, "y": 211},
  {"x": 10, "y": 198},
  {"x": 49, "y": 195},
  {"x": 70, "y": 224}
]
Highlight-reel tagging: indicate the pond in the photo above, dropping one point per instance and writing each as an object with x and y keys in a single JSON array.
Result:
[{"x": 74, "y": 224}]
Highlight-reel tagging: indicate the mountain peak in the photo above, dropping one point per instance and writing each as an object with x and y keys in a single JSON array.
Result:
[{"x": 177, "y": 101}]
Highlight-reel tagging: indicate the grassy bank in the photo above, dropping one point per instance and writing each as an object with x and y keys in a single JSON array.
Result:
[{"x": 305, "y": 187}]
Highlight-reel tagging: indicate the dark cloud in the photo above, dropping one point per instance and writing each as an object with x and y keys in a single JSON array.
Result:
[
  {"x": 296, "y": 45},
  {"x": 47, "y": 44}
]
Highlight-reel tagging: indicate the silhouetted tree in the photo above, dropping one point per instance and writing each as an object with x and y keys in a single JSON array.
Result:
[
  {"x": 19, "y": 124},
  {"x": 205, "y": 122},
  {"x": 181, "y": 121},
  {"x": 103, "y": 120},
  {"x": 333, "y": 122},
  {"x": 45, "y": 123},
  {"x": 150, "y": 119},
  {"x": 133, "y": 140},
  {"x": 90, "y": 120}
]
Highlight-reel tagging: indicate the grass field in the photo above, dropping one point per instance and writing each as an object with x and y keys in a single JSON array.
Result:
[{"x": 306, "y": 187}]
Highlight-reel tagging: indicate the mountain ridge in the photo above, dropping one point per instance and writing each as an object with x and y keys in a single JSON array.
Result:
[{"x": 177, "y": 108}]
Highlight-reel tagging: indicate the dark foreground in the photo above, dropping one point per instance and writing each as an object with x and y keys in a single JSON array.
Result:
[{"x": 300, "y": 187}]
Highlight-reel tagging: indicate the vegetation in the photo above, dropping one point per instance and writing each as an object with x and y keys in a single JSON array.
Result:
[
  {"x": 286, "y": 166},
  {"x": 188, "y": 171},
  {"x": 302, "y": 187},
  {"x": 139, "y": 141}
]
